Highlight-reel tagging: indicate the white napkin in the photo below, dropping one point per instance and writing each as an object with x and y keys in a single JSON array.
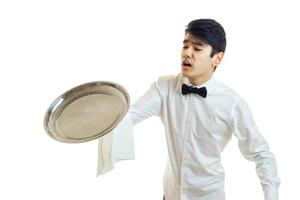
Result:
[{"x": 115, "y": 146}]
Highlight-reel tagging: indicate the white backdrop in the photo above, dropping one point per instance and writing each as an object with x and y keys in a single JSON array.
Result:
[{"x": 48, "y": 47}]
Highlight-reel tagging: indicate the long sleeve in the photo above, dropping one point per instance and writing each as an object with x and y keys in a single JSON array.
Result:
[
  {"x": 147, "y": 105},
  {"x": 118, "y": 144},
  {"x": 254, "y": 147}
]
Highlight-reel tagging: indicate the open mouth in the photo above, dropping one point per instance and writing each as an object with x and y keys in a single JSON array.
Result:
[{"x": 186, "y": 64}]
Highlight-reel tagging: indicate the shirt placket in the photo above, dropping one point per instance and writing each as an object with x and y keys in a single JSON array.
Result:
[{"x": 185, "y": 155}]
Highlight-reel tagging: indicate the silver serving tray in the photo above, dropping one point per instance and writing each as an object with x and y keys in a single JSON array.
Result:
[{"x": 86, "y": 112}]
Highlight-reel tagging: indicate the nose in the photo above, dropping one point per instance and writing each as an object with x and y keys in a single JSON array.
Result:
[{"x": 187, "y": 52}]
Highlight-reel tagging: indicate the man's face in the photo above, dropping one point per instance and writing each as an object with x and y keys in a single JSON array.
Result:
[{"x": 197, "y": 65}]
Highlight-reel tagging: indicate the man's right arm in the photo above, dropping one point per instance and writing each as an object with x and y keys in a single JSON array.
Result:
[
  {"x": 147, "y": 105},
  {"x": 118, "y": 144}
]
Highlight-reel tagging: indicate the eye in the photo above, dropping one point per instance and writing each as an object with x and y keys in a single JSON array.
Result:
[
  {"x": 196, "y": 49},
  {"x": 185, "y": 47}
]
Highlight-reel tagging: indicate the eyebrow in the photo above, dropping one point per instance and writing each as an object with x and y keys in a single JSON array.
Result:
[{"x": 194, "y": 42}]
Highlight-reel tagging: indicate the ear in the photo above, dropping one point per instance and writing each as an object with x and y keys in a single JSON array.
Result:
[{"x": 217, "y": 58}]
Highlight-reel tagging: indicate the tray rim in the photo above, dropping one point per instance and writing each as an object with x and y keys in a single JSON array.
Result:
[{"x": 64, "y": 97}]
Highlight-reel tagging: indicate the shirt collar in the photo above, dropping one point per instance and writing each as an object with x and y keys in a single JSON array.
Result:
[{"x": 209, "y": 84}]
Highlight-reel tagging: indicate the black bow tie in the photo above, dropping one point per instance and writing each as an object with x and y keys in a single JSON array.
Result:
[{"x": 185, "y": 89}]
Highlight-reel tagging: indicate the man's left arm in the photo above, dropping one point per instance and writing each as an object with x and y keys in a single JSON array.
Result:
[{"x": 254, "y": 147}]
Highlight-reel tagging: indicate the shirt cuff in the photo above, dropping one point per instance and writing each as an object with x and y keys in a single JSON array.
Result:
[{"x": 271, "y": 193}]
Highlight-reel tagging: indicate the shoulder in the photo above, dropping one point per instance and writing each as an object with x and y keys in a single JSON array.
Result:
[
  {"x": 227, "y": 97},
  {"x": 167, "y": 80},
  {"x": 237, "y": 102},
  {"x": 224, "y": 91},
  {"x": 166, "y": 83}
]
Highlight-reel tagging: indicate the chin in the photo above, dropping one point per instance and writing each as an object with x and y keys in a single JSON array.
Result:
[{"x": 186, "y": 74}]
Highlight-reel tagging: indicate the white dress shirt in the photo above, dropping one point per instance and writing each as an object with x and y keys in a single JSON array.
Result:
[{"x": 197, "y": 130}]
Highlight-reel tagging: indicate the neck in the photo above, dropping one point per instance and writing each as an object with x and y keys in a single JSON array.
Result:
[{"x": 199, "y": 80}]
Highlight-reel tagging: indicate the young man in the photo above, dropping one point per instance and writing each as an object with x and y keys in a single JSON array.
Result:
[{"x": 200, "y": 116}]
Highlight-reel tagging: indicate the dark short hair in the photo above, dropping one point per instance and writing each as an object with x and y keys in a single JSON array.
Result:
[{"x": 209, "y": 32}]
